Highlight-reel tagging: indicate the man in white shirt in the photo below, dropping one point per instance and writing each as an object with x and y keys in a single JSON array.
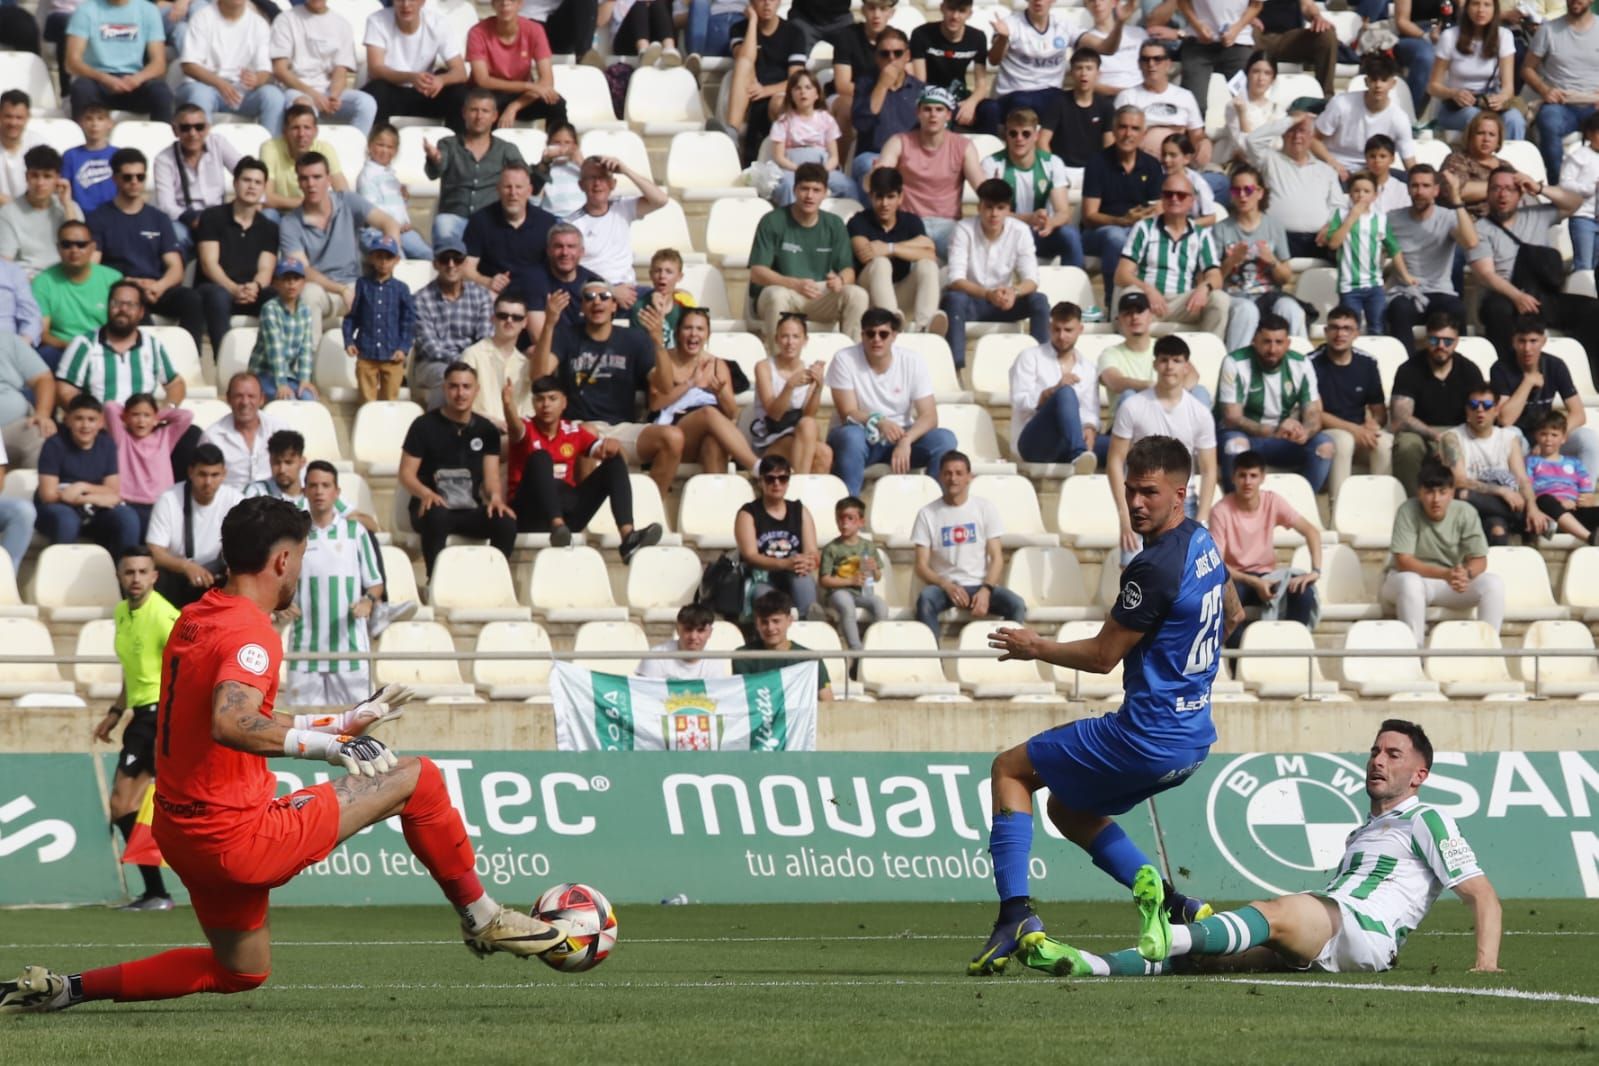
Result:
[
  {"x": 225, "y": 65},
  {"x": 1054, "y": 396},
  {"x": 1167, "y": 108},
  {"x": 606, "y": 220},
  {"x": 993, "y": 271},
  {"x": 195, "y": 173},
  {"x": 694, "y": 624},
  {"x": 241, "y": 436},
  {"x": 1304, "y": 190},
  {"x": 188, "y": 547},
  {"x": 1351, "y": 119},
  {"x": 1221, "y": 36},
  {"x": 313, "y": 55},
  {"x": 15, "y": 140},
  {"x": 1166, "y": 409},
  {"x": 883, "y": 406},
  {"x": 415, "y": 65},
  {"x": 959, "y": 558}
]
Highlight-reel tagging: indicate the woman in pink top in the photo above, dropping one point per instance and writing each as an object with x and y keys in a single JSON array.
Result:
[
  {"x": 936, "y": 165},
  {"x": 145, "y": 439}
]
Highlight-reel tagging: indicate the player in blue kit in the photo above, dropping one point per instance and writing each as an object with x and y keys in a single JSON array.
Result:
[{"x": 1175, "y": 608}]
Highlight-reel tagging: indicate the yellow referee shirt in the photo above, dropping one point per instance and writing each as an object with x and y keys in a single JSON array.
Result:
[{"x": 141, "y": 638}]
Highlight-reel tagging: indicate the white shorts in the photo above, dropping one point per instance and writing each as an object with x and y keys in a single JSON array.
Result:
[
  {"x": 626, "y": 432},
  {"x": 340, "y": 689},
  {"x": 1355, "y": 948}
]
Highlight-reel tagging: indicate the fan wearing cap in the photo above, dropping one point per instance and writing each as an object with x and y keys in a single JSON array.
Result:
[
  {"x": 381, "y": 324},
  {"x": 1129, "y": 367},
  {"x": 936, "y": 163},
  {"x": 452, "y": 314},
  {"x": 285, "y": 347}
]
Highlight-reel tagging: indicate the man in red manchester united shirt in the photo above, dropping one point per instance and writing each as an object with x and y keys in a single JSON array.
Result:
[
  {"x": 216, "y": 819},
  {"x": 544, "y": 487}
]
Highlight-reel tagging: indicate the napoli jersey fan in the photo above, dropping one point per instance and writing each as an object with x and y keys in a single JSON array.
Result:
[{"x": 1166, "y": 630}]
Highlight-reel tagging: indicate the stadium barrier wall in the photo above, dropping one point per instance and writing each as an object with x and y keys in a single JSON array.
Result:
[
  {"x": 724, "y": 828},
  {"x": 984, "y": 725}
]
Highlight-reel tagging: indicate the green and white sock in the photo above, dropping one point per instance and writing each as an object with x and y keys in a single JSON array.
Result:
[
  {"x": 1128, "y": 963},
  {"x": 1228, "y": 933}
]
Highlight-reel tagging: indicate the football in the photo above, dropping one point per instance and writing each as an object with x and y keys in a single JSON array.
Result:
[{"x": 588, "y": 920}]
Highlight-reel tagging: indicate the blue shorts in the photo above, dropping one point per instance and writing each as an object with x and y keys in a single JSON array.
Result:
[{"x": 1092, "y": 765}]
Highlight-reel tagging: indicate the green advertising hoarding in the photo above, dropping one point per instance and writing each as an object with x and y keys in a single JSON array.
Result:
[{"x": 723, "y": 827}]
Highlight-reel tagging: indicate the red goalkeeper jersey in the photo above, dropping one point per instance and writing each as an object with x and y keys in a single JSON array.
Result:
[{"x": 213, "y": 794}]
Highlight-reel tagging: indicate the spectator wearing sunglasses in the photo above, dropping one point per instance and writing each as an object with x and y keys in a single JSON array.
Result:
[
  {"x": 499, "y": 365},
  {"x": 138, "y": 239},
  {"x": 73, "y": 296},
  {"x": 777, "y": 540},
  {"x": 195, "y": 173},
  {"x": 1175, "y": 263},
  {"x": 1429, "y": 395},
  {"x": 1490, "y": 469},
  {"x": 452, "y": 314},
  {"x": 885, "y": 103}
]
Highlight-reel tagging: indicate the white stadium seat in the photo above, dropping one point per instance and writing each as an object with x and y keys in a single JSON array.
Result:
[
  {"x": 1302, "y": 498},
  {"x": 707, "y": 507},
  {"x": 1017, "y": 502},
  {"x": 820, "y": 494},
  {"x": 1579, "y": 585},
  {"x": 991, "y": 363},
  {"x": 1342, "y": 586},
  {"x": 660, "y": 580},
  {"x": 27, "y": 636},
  {"x": 399, "y": 581},
  {"x": 703, "y": 165},
  {"x": 1528, "y": 596},
  {"x": 933, "y": 350},
  {"x": 571, "y": 585},
  {"x": 990, "y": 679},
  {"x": 526, "y": 677},
  {"x": 410, "y": 162},
  {"x": 1051, "y": 581},
  {"x": 974, "y": 433},
  {"x": 891, "y": 510},
  {"x": 349, "y": 144},
  {"x": 75, "y": 583},
  {"x": 99, "y": 681},
  {"x": 647, "y": 508},
  {"x": 148, "y": 137},
  {"x": 588, "y": 98},
  {"x": 904, "y": 678},
  {"x": 610, "y": 636},
  {"x": 334, "y": 372},
  {"x": 1464, "y": 677},
  {"x": 1382, "y": 676},
  {"x": 665, "y": 227},
  {"x": 11, "y": 605},
  {"x": 428, "y": 678},
  {"x": 26, "y": 71},
  {"x": 234, "y": 358},
  {"x": 472, "y": 584},
  {"x": 821, "y": 636},
  {"x": 378, "y": 433},
  {"x": 313, "y": 420},
  {"x": 730, "y": 231},
  {"x": 1086, "y": 515},
  {"x": 1559, "y": 675},
  {"x": 1080, "y": 684},
  {"x": 1363, "y": 514},
  {"x": 663, "y": 102},
  {"x": 185, "y": 360},
  {"x": 1281, "y": 678}
]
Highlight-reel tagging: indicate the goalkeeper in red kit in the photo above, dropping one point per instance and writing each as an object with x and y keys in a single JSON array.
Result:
[{"x": 216, "y": 819}]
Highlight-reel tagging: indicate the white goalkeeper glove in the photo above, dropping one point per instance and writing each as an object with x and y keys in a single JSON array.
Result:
[
  {"x": 384, "y": 705},
  {"x": 361, "y": 756}
]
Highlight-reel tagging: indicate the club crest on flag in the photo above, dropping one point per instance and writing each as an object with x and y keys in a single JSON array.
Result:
[{"x": 691, "y": 723}]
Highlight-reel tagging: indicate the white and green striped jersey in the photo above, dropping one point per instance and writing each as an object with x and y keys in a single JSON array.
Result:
[
  {"x": 111, "y": 376},
  {"x": 339, "y": 566},
  {"x": 1173, "y": 265},
  {"x": 1360, "y": 258},
  {"x": 1396, "y": 865}
]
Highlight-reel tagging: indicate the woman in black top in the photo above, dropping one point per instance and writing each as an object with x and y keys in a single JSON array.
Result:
[{"x": 777, "y": 539}]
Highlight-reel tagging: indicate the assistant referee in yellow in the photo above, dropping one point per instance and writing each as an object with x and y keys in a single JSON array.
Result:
[{"x": 144, "y": 619}]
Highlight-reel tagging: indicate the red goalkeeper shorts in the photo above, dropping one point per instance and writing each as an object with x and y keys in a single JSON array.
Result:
[{"x": 229, "y": 889}]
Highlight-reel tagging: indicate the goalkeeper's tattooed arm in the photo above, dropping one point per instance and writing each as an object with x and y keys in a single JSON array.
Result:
[{"x": 237, "y": 721}]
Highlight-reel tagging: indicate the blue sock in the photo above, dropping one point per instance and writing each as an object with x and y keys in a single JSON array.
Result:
[
  {"x": 1010, "y": 841},
  {"x": 1117, "y": 855}
]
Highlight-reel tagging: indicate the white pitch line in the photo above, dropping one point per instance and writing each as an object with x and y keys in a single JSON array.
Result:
[
  {"x": 587, "y": 985},
  {"x": 1122, "y": 936}
]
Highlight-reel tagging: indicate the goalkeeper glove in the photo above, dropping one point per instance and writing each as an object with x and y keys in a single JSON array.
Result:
[
  {"x": 384, "y": 705},
  {"x": 362, "y": 756}
]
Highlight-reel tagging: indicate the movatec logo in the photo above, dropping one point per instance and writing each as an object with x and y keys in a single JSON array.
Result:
[{"x": 1281, "y": 820}]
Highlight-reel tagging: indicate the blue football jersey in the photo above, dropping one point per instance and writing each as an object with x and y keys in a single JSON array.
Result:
[{"x": 1172, "y": 593}]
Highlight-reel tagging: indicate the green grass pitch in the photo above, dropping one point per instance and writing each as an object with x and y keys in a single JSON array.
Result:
[{"x": 827, "y": 984}]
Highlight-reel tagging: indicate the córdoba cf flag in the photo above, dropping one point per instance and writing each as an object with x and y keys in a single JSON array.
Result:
[
  {"x": 772, "y": 711},
  {"x": 142, "y": 849}
]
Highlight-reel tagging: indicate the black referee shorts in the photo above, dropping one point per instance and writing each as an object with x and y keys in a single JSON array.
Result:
[{"x": 138, "y": 743}]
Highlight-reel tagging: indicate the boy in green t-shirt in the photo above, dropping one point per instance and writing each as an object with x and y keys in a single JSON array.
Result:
[
  {"x": 851, "y": 567},
  {"x": 666, "y": 270}
]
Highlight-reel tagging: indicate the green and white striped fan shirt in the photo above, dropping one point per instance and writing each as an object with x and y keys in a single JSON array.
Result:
[
  {"x": 340, "y": 565},
  {"x": 110, "y": 376},
  {"x": 1397, "y": 864},
  {"x": 1171, "y": 264},
  {"x": 1360, "y": 258}
]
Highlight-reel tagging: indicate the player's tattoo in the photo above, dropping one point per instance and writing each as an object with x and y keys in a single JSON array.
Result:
[{"x": 354, "y": 788}]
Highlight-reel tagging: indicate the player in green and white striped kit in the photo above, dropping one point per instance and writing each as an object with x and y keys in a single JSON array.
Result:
[
  {"x": 1394, "y": 868},
  {"x": 1360, "y": 238},
  {"x": 339, "y": 585}
]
